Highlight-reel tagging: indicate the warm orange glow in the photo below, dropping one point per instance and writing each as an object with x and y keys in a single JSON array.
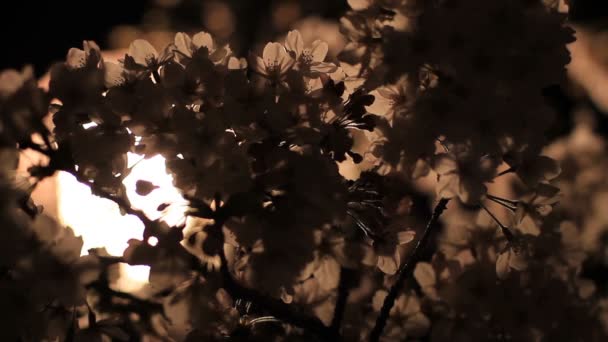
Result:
[{"x": 99, "y": 220}]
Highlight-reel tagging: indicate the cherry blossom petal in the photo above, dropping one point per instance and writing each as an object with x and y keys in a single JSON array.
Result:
[
  {"x": 143, "y": 52},
  {"x": 182, "y": 43},
  {"x": 381, "y": 105},
  {"x": 235, "y": 63},
  {"x": 286, "y": 63},
  {"x": 114, "y": 74},
  {"x": 90, "y": 46},
  {"x": 417, "y": 325},
  {"x": 328, "y": 273},
  {"x": 528, "y": 226},
  {"x": 502, "y": 265},
  {"x": 272, "y": 54},
  {"x": 425, "y": 274},
  {"x": 447, "y": 186},
  {"x": 359, "y": 5},
  {"x": 323, "y": 67},
  {"x": 76, "y": 58},
  {"x": 518, "y": 261},
  {"x": 319, "y": 50},
  {"x": 378, "y": 300},
  {"x": 387, "y": 264},
  {"x": 294, "y": 43},
  {"x": 218, "y": 55},
  {"x": 409, "y": 305},
  {"x": 259, "y": 66},
  {"x": 203, "y": 39},
  {"x": 10, "y": 82},
  {"x": 444, "y": 163},
  {"x": 389, "y": 92},
  {"x": 405, "y": 237}
]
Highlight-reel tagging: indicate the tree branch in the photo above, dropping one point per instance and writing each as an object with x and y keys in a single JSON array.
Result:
[
  {"x": 346, "y": 283},
  {"x": 288, "y": 313},
  {"x": 122, "y": 203},
  {"x": 405, "y": 270}
]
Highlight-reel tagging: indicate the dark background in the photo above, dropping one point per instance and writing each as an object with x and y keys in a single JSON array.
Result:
[{"x": 41, "y": 32}]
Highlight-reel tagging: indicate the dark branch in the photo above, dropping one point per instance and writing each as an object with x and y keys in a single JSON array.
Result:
[
  {"x": 346, "y": 283},
  {"x": 135, "y": 304},
  {"x": 405, "y": 270},
  {"x": 288, "y": 313},
  {"x": 121, "y": 202}
]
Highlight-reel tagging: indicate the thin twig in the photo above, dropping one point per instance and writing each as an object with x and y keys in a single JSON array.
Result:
[
  {"x": 503, "y": 202},
  {"x": 405, "y": 270},
  {"x": 121, "y": 202},
  {"x": 509, "y": 170},
  {"x": 502, "y": 199},
  {"x": 346, "y": 283},
  {"x": 505, "y": 231}
]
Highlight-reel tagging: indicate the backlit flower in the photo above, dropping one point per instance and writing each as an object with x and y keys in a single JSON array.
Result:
[
  {"x": 187, "y": 47},
  {"x": 275, "y": 62},
  {"x": 463, "y": 176},
  {"x": 311, "y": 60}
]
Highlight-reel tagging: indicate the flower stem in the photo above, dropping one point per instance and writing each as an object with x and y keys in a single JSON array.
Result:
[
  {"x": 505, "y": 231},
  {"x": 509, "y": 170},
  {"x": 405, "y": 270},
  {"x": 509, "y": 204}
]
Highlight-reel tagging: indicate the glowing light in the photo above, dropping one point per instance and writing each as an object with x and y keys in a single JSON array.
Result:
[
  {"x": 100, "y": 223},
  {"x": 153, "y": 241},
  {"x": 89, "y": 125}
]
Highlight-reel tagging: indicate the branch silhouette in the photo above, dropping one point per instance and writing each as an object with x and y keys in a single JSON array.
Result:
[{"x": 405, "y": 270}]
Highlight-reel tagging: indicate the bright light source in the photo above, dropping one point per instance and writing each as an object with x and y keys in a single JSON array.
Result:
[
  {"x": 152, "y": 241},
  {"x": 100, "y": 223},
  {"x": 89, "y": 125}
]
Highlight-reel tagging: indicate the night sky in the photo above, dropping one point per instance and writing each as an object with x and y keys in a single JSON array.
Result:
[{"x": 41, "y": 32}]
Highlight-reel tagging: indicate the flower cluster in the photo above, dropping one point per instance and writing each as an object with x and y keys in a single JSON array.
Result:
[{"x": 279, "y": 241}]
